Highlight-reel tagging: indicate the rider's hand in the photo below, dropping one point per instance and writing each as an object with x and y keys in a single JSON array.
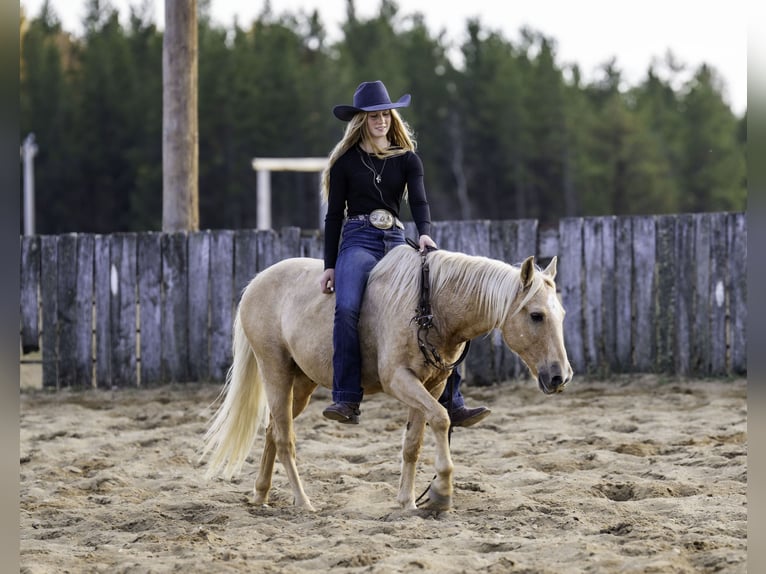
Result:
[
  {"x": 327, "y": 282},
  {"x": 426, "y": 241}
]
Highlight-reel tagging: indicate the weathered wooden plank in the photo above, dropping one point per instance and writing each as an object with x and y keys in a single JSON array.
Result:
[
  {"x": 175, "y": 304},
  {"x": 502, "y": 240},
  {"x": 199, "y": 311},
  {"x": 525, "y": 244},
  {"x": 410, "y": 230},
  {"x": 268, "y": 248},
  {"x": 84, "y": 311},
  {"x": 593, "y": 254},
  {"x": 221, "y": 302},
  {"x": 289, "y": 242},
  {"x": 644, "y": 261},
  {"x": 489, "y": 360},
  {"x": 103, "y": 287},
  {"x": 547, "y": 242},
  {"x": 30, "y": 285},
  {"x": 483, "y": 363},
  {"x": 609, "y": 293},
  {"x": 122, "y": 251},
  {"x": 49, "y": 301},
  {"x": 683, "y": 276},
  {"x": 666, "y": 293},
  {"x": 245, "y": 259},
  {"x": 570, "y": 282},
  {"x": 149, "y": 271},
  {"x": 312, "y": 245},
  {"x": 474, "y": 237},
  {"x": 67, "y": 309},
  {"x": 623, "y": 294},
  {"x": 508, "y": 242},
  {"x": 737, "y": 261},
  {"x": 446, "y": 235},
  {"x": 700, "y": 359},
  {"x": 719, "y": 283}
]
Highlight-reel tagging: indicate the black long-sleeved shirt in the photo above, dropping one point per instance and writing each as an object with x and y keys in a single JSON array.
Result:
[{"x": 353, "y": 186}]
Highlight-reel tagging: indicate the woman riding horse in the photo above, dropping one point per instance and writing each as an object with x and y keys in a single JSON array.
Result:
[{"x": 368, "y": 173}]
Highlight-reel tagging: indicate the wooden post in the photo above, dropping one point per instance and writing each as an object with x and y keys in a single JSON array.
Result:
[
  {"x": 28, "y": 152},
  {"x": 180, "y": 134},
  {"x": 264, "y": 199}
]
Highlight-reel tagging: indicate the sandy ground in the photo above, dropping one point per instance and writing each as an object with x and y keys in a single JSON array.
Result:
[{"x": 628, "y": 475}]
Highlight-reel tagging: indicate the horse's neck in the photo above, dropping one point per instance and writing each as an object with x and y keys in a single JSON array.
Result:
[
  {"x": 463, "y": 316},
  {"x": 463, "y": 324}
]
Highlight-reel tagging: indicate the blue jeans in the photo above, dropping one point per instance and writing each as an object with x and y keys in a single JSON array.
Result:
[
  {"x": 362, "y": 246},
  {"x": 455, "y": 400}
]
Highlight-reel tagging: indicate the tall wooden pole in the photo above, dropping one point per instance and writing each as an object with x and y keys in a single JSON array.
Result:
[{"x": 180, "y": 132}]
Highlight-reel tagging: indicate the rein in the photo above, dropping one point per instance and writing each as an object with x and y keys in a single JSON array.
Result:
[{"x": 425, "y": 320}]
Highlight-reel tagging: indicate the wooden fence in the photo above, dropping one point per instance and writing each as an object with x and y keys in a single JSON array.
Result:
[{"x": 654, "y": 294}]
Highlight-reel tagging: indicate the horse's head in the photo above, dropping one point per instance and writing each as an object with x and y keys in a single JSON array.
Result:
[{"x": 534, "y": 327}]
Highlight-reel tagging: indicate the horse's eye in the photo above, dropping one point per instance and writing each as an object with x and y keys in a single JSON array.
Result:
[{"x": 536, "y": 317}]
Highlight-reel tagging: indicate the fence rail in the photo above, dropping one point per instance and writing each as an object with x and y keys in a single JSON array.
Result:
[{"x": 659, "y": 294}]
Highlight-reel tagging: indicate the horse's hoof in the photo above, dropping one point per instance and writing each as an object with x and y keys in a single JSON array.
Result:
[
  {"x": 304, "y": 505},
  {"x": 437, "y": 502}
]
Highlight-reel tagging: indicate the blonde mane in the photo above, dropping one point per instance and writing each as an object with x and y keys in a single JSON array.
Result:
[{"x": 495, "y": 283}]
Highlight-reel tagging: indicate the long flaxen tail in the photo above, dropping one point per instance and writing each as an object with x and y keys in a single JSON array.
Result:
[{"x": 234, "y": 427}]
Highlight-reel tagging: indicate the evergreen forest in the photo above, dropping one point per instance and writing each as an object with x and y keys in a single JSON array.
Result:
[{"x": 504, "y": 129}]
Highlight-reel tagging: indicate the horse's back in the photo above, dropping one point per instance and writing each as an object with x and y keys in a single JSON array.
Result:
[
  {"x": 293, "y": 269},
  {"x": 288, "y": 285},
  {"x": 284, "y": 312}
]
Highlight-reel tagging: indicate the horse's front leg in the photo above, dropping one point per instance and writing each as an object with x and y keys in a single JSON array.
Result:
[
  {"x": 424, "y": 408},
  {"x": 411, "y": 444}
]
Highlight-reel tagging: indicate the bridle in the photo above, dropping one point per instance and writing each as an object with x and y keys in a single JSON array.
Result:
[{"x": 425, "y": 320}]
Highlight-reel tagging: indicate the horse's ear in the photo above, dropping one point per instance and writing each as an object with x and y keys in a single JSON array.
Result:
[
  {"x": 550, "y": 271},
  {"x": 527, "y": 272}
]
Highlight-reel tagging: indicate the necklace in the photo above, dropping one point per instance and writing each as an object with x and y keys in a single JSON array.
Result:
[{"x": 377, "y": 175}]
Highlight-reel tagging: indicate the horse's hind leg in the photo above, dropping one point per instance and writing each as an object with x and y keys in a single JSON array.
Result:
[
  {"x": 303, "y": 387},
  {"x": 266, "y": 468},
  {"x": 287, "y": 403}
]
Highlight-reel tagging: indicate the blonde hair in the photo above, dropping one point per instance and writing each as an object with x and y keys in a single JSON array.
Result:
[{"x": 400, "y": 135}]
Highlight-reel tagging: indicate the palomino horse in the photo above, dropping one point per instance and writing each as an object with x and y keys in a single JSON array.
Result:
[{"x": 283, "y": 351}]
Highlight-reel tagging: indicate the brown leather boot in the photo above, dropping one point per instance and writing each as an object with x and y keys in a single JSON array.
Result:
[
  {"x": 346, "y": 413},
  {"x": 465, "y": 417}
]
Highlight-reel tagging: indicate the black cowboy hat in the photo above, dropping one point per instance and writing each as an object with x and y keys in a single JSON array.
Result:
[{"x": 370, "y": 97}]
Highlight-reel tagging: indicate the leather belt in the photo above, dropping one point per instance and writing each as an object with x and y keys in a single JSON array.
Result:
[{"x": 379, "y": 218}]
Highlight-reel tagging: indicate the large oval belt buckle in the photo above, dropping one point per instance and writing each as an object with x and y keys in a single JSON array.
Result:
[{"x": 382, "y": 219}]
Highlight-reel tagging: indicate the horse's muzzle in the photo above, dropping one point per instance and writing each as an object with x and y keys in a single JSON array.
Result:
[{"x": 552, "y": 380}]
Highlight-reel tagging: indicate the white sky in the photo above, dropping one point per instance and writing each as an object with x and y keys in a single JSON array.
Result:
[{"x": 587, "y": 32}]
